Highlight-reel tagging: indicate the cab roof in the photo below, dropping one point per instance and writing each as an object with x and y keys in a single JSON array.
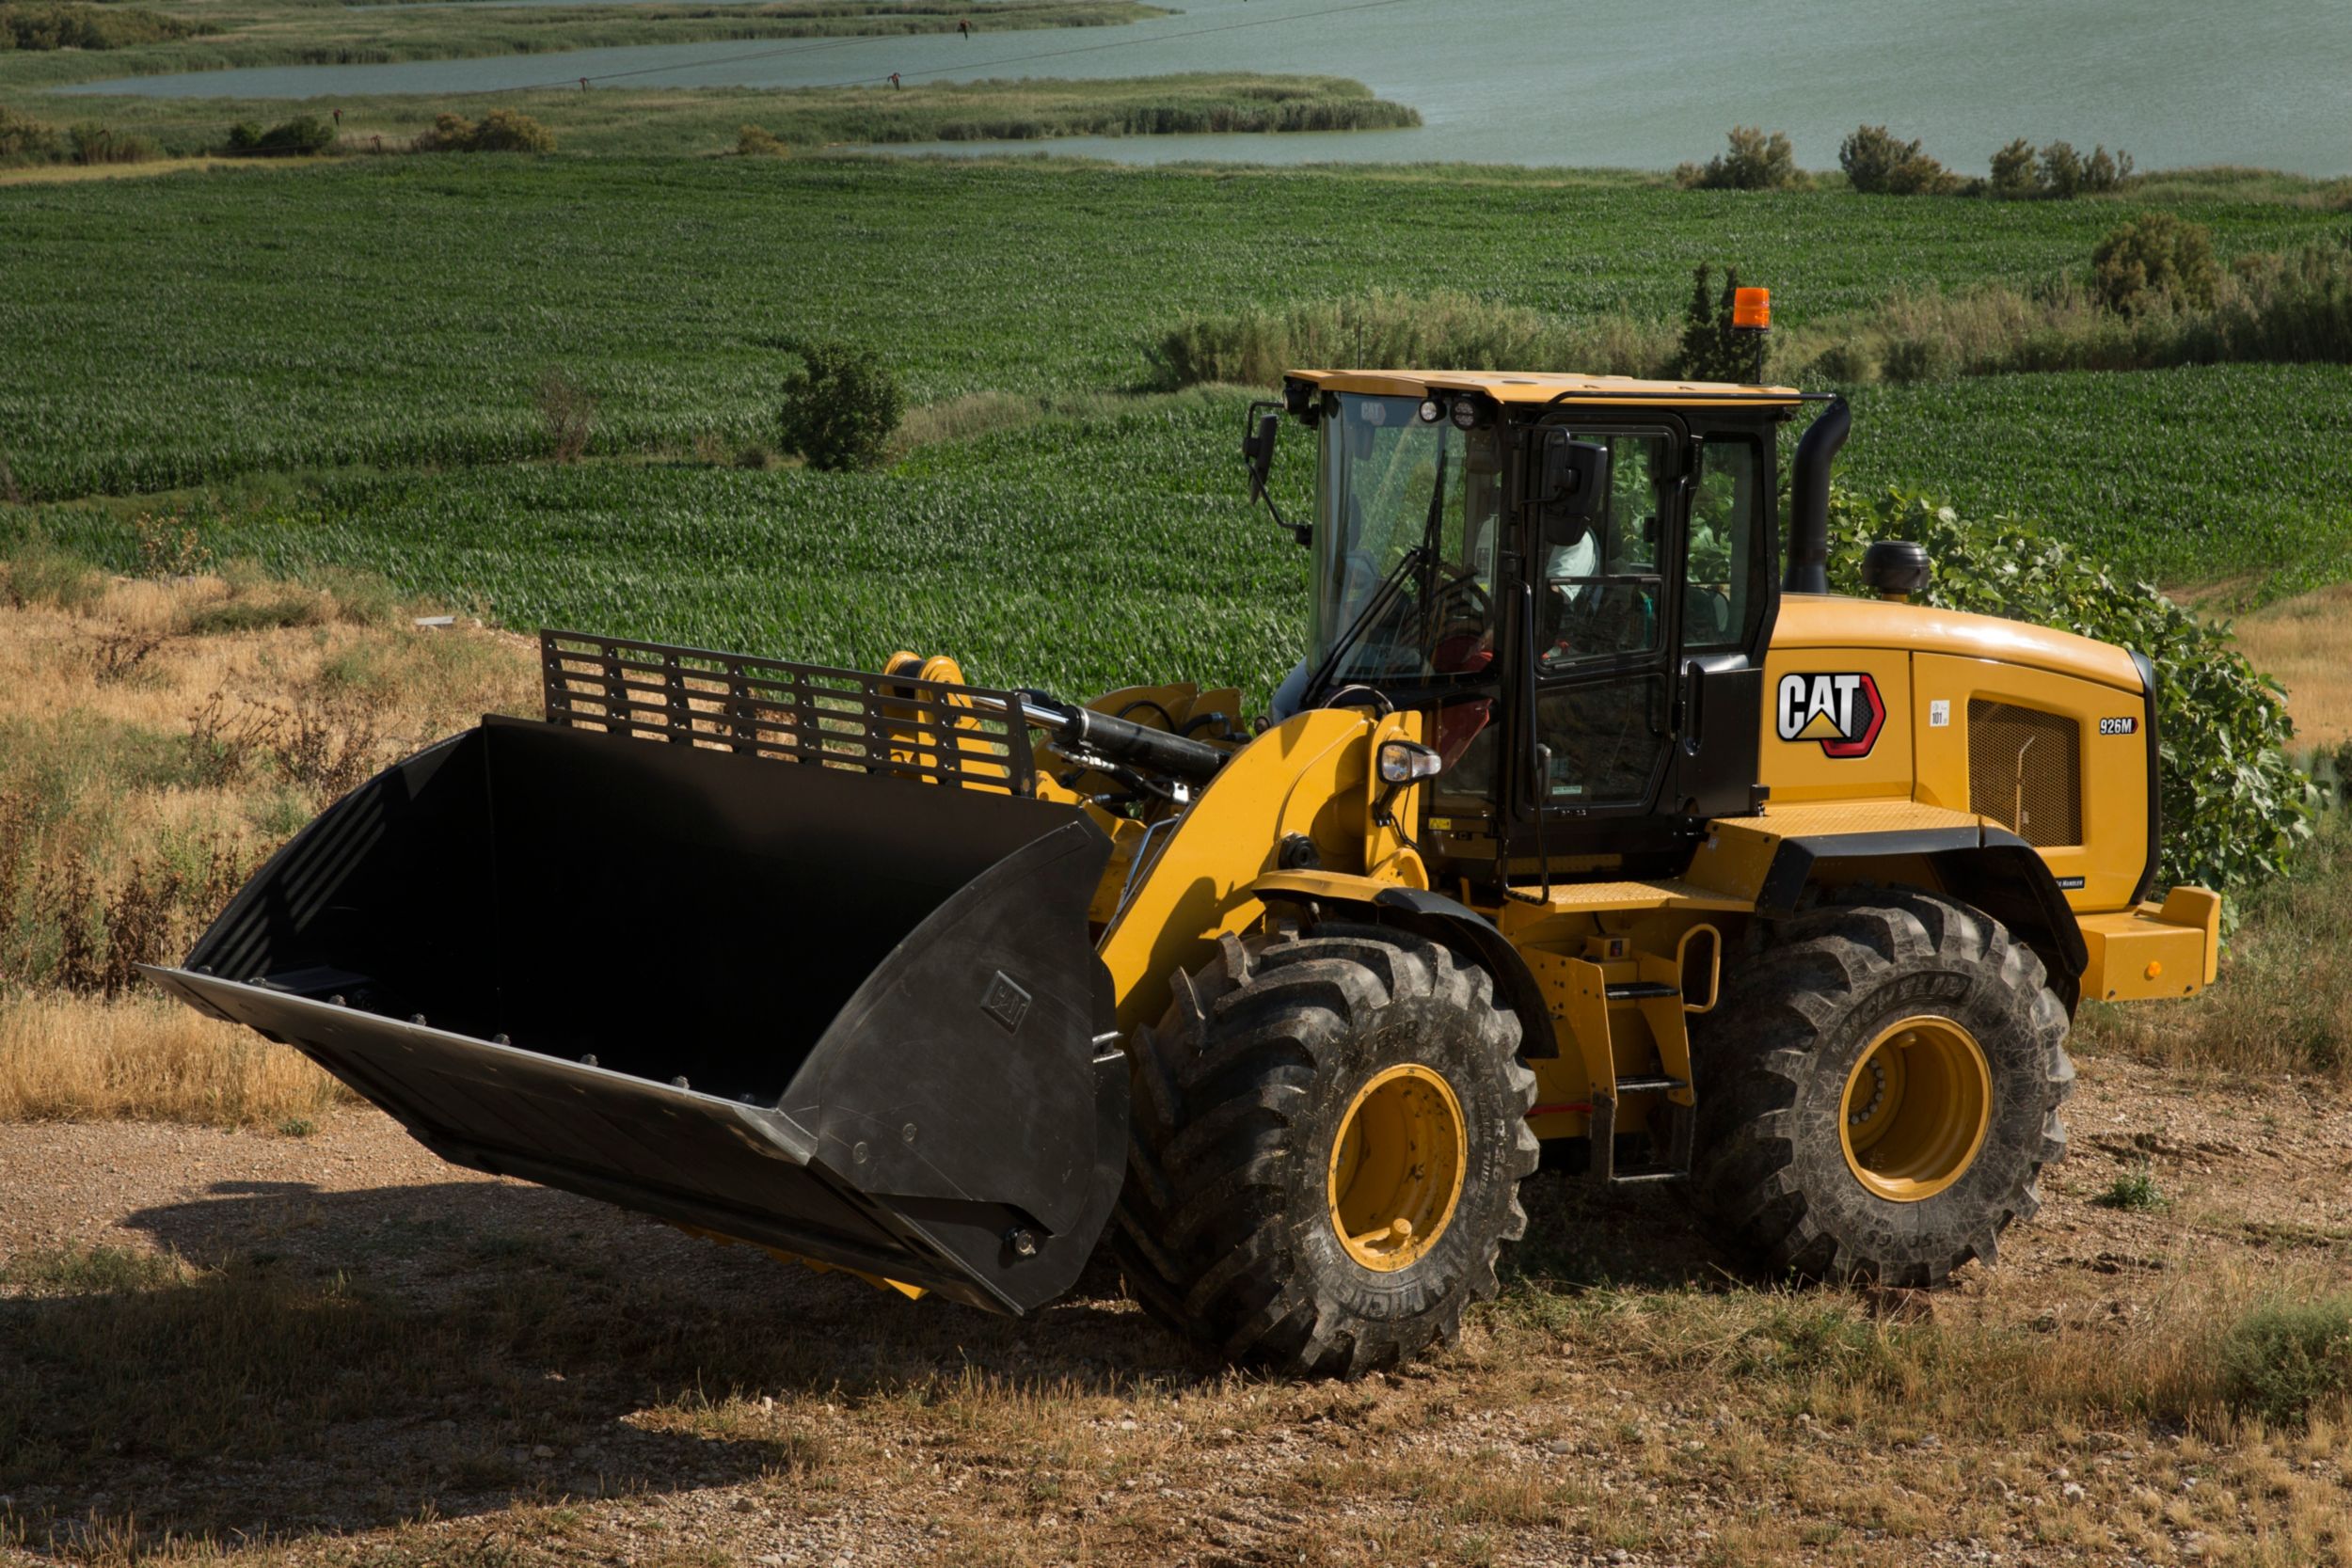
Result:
[{"x": 1545, "y": 387}]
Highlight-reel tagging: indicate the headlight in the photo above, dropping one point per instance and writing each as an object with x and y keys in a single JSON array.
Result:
[
  {"x": 1465, "y": 413},
  {"x": 1431, "y": 410},
  {"x": 1403, "y": 761}
]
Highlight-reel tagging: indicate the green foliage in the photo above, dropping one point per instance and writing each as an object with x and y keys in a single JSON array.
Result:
[
  {"x": 77, "y": 25},
  {"x": 2234, "y": 807},
  {"x": 752, "y": 142},
  {"x": 2013, "y": 172},
  {"x": 1711, "y": 348},
  {"x": 2063, "y": 173},
  {"x": 1877, "y": 161},
  {"x": 2135, "y": 1191},
  {"x": 1254, "y": 347},
  {"x": 2154, "y": 259},
  {"x": 1753, "y": 162},
  {"x": 2285, "y": 1359},
  {"x": 840, "y": 407},
  {"x": 25, "y": 140},
  {"x": 499, "y": 131},
  {"x": 303, "y": 136},
  {"x": 37, "y": 572},
  {"x": 97, "y": 144}
]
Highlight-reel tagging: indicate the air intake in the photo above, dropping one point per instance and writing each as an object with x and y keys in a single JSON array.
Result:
[{"x": 2025, "y": 772}]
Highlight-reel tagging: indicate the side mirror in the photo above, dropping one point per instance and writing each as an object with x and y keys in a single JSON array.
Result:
[
  {"x": 1572, "y": 482},
  {"x": 1257, "y": 450}
]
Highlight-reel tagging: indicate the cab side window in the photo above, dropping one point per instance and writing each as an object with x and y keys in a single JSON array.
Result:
[{"x": 1719, "y": 551}]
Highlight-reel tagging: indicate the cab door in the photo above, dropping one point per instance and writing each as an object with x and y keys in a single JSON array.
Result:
[{"x": 1601, "y": 617}]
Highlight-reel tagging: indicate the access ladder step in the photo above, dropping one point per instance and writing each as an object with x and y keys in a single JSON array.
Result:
[
  {"x": 1641, "y": 990},
  {"x": 1650, "y": 1086},
  {"x": 1642, "y": 1176}
]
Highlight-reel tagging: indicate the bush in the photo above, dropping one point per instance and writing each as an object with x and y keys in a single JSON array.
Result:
[
  {"x": 97, "y": 144},
  {"x": 76, "y": 25},
  {"x": 1878, "y": 163},
  {"x": 2012, "y": 172},
  {"x": 501, "y": 131},
  {"x": 1930, "y": 358},
  {"x": 840, "y": 407},
  {"x": 2234, "y": 807},
  {"x": 2152, "y": 261},
  {"x": 2280, "y": 1361},
  {"x": 303, "y": 136},
  {"x": 1753, "y": 162},
  {"x": 23, "y": 140},
  {"x": 752, "y": 142}
]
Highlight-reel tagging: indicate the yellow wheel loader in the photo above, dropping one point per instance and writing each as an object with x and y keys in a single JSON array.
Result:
[{"x": 1581, "y": 824}]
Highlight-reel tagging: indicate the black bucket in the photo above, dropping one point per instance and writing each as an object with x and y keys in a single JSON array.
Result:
[{"x": 849, "y": 1016}]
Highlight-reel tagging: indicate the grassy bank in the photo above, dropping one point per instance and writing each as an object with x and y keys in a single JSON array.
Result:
[
  {"x": 240, "y": 33},
  {"x": 704, "y": 121}
]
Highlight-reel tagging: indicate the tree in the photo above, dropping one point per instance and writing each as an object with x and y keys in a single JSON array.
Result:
[
  {"x": 2012, "y": 170},
  {"x": 1878, "y": 162},
  {"x": 1711, "y": 348},
  {"x": 2152, "y": 260},
  {"x": 2061, "y": 171},
  {"x": 840, "y": 407}
]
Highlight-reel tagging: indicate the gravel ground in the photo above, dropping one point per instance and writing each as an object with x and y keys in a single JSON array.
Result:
[{"x": 478, "y": 1369}]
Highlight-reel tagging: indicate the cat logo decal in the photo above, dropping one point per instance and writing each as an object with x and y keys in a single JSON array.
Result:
[{"x": 1844, "y": 712}]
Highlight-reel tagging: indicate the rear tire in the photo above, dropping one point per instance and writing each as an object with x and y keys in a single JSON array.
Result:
[
  {"x": 1819, "y": 1151},
  {"x": 1302, "y": 1086}
]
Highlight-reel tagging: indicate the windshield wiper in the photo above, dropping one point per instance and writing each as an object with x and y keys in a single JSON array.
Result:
[{"x": 1374, "y": 607}]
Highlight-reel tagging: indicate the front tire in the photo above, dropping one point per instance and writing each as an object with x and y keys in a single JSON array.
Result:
[
  {"x": 1329, "y": 1132},
  {"x": 1879, "y": 1098}
]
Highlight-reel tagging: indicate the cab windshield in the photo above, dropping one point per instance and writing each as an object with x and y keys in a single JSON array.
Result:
[{"x": 1407, "y": 511}]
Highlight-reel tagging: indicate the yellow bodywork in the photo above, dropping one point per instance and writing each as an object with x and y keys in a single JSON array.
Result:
[{"x": 1178, "y": 882}]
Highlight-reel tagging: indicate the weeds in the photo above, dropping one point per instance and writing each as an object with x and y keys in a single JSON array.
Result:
[
  {"x": 2286, "y": 1358},
  {"x": 2135, "y": 1191},
  {"x": 115, "y": 656}
]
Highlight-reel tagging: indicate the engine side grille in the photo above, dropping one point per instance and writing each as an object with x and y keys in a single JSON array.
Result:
[{"x": 2025, "y": 772}]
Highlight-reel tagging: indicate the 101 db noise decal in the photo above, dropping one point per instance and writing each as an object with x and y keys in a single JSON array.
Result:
[{"x": 1844, "y": 712}]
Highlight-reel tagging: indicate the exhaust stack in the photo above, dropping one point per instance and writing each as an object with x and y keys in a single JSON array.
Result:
[{"x": 1809, "y": 500}]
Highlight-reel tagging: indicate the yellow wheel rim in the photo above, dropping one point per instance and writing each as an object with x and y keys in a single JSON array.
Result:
[
  {"x": 1915, "y": 1109},
  {"x": 1396, "y": 1167}
]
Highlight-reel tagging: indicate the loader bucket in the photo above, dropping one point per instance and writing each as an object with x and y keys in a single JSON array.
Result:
[{"x": 851, "y": 1017}]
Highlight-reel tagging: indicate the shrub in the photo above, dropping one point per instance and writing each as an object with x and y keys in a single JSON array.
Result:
[
  {"x": 501, "y": 131},
  {"x": 2280, "y": 1361},
  {"x": 303, "y": 136},
  {"x": 76, "y": 25},
  {"x": 25, "y": 140},
  {"x": 568, "y": 413},
  {"x": 1929, "y": 357},
  {"x": 840, "y": 407},
  {"x": 752, "y": 142},
  {"x": 1711, "y": 348},
  {"x": 2135, "y": 1191},
  {"x": 2103, "y": 173},
  {"x": 2234, "y": 807},
  {"x": 1876, "y": 163},
  {"x": 1753, "y": 162},
  {"x": 1254, "y": 346},
  {"x": 2012, "y": 172},
  {"x": 97, "y": 144},
  {"x": 2154, "y": 259}
]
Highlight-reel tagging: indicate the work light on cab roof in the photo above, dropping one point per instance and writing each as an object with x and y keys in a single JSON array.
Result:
[{"x": 1588, "y": 817}]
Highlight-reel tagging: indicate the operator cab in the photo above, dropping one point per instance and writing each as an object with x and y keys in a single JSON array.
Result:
[{"x": 1572, "y": 576}]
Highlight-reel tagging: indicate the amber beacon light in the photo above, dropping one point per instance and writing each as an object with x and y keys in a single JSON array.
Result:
[{"x": 1752, "y": 309}]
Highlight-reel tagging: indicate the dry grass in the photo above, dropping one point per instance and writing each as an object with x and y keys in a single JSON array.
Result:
[
  {"x": 2306, "y": 643},
  {"x": 158, "y": 737},
  {"x": 143, "y": 1058}
]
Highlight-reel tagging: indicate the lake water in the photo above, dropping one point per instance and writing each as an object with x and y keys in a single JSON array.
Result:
[{"x": 1595, "y": 82}]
